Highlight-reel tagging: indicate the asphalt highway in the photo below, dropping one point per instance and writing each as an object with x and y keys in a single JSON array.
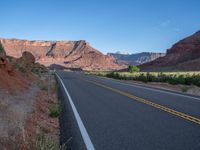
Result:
[{"x": 116, "y": 115}]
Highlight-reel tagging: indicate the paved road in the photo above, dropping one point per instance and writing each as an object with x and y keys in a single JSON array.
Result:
[{"x": 118, "y": 115}]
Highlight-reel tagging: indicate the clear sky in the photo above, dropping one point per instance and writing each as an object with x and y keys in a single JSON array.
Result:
[{"x": 108, "y": 25}]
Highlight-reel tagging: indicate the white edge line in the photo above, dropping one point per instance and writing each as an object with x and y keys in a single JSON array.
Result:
[
  {"x": 82, "y": 128},
  {"x": 148, "y": 88}
]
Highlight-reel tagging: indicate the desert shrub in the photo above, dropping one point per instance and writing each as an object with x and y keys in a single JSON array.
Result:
[
  {"x": 161, "y": 77},
  {"x": 142, "y": 77},
  {"x": 114, "y": 75},
  {"x": 195, "y": 80},
  {"x": 132, "y": 69},
  {"x": 171, "y": 78},
  {"x": 150, "y": 77},
  {"x": 111, "y": 75},
  {"x": 54, "y": 111},
  {"x": 99, "y": 74},
  {"x": 10, "y": 59},
  {"x": 43, "y": 142},
  {"x": 184, "y": 89},
  {"x": 117, "y": 76},
  {"x": 36, "y": 71},
  {"x": 57, "y": 86},
  {"x": 21, "y": 68},
  {"x": 42, "y": 85}
]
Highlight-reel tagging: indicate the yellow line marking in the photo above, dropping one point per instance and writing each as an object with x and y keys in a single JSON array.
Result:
[{"x": 147, "y": 102}]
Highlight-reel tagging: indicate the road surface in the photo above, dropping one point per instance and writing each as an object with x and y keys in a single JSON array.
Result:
[{"x": 116, "y": 115}]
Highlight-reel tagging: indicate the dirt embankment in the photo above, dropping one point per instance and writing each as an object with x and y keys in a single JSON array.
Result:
[{"x": 25, "y": 107}]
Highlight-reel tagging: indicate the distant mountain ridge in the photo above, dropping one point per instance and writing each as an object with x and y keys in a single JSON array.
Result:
[
  {"x": 137, "y": 58},
  {"x": 184, "y": 55},
  {"x": 70, "y": 54}
]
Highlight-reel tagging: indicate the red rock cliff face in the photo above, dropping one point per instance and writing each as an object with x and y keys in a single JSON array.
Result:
[
  {"x": 184, "y": 55},
  {"x": 71, "y": 54}
]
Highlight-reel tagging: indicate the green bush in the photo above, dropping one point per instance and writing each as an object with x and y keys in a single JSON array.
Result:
[
  {"x": 21, "y": 68},
  {"x": 42, "y": 85},
  {"x": 132, "y": 69},
  {"x": 171, "y": 78},
  {"x": 54, "y": 111},
  {"x": 43, "y": 142},
  {"x": 142, "y": 77}
]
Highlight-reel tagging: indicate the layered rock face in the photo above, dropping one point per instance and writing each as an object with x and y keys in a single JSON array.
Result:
[
  {"x": 136, "y": 59},
  {"x": 70, "y": 54},
  {"x": 184, "y": 55}
]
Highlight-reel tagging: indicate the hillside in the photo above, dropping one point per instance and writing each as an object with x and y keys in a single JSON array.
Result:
[
  {"x": 136, "y": 59},
  {"x": 70, "y": 54},
  {"x": 184, "y": 55}
]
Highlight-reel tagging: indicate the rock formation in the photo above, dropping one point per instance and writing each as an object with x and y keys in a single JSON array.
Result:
[
  {"x": 15, "y": 73},
  {"x": 136, "y": 59},
  {"x": 70, "y": 54},
  {"x": 10, "y": 79},
  {"x": 184, "y": 55}
]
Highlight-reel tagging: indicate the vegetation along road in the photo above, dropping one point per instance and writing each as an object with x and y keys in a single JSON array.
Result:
[{"x": 111, "y": 114}]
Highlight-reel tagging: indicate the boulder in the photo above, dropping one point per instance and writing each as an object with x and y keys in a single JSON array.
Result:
[{"x": 28, "y": 57}]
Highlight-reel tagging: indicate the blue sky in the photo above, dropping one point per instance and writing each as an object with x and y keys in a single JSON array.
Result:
[{"x": 108, "y": 25}]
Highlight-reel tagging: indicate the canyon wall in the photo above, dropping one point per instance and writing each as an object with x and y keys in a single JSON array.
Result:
[
  {"x": 70, "y": 54},
  {"x": 184, "y": 55}
]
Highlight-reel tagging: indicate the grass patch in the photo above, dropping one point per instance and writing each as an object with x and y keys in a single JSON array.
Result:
[
  {"x": 54, "y": 111},
  {"x": 38, "y": 69},
  {"x": 42, "y": 85},
  {"x": 21, "y": 67},
  {"x": 45, "y": 143},
  {"x": 57, "y": 86}
]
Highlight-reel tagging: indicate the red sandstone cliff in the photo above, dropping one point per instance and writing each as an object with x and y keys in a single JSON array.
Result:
[
  {"x": 184, "y": 55},
  {"x": 71, "y": 54}
]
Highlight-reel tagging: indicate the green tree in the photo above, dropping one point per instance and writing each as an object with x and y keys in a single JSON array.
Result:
[{"x": 132, "y": 69}]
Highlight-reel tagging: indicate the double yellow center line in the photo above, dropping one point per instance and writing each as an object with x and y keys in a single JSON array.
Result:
[{"x": 147, "y": 102}]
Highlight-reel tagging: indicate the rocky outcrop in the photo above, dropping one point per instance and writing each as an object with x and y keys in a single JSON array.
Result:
[
  {"x": 28, "y": 57},
  {"x": 4, "y": 64},
  {"x": 136, "y": 59},
  {"x": 70, "y": 54},
  {"x": 15, "y": 73},
  {"x": 10, "y": 79},
  {"x": 184, "y": 55}
]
